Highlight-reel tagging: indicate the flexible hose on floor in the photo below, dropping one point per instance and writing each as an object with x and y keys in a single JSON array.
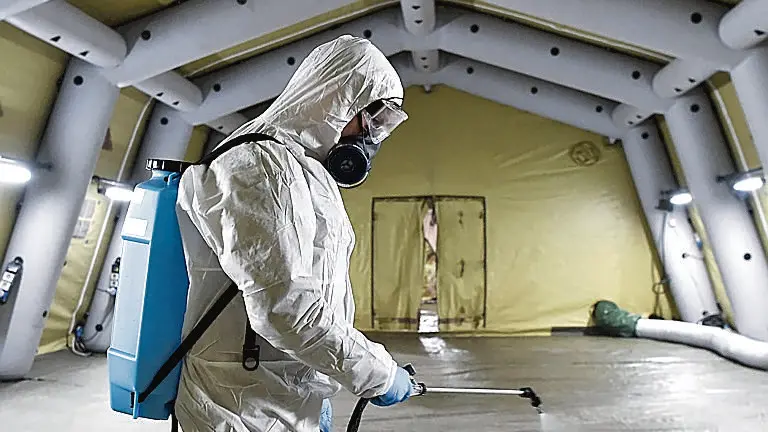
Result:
[{"x": 739, "y": 348}]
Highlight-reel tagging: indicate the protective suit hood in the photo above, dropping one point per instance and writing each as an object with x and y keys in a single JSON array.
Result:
[{"x": 335, "y": 81}]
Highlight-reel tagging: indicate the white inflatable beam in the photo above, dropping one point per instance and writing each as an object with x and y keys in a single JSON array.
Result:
[
  {"x": 523, "y": 92},
  {"x": 746, "y": 25},
  {"x": 64, "y": 26},
  {"x": 672, "y": 233},
  {"x": 680, "y": 76},
  {"x": 71, "y": 30},
  {"x": 173, "y": 90},
  {"x": 736, "y": 245},
  {"x": 750, "y": 80},
  {"x": 685, "y": 29},
  {"x": 576, "y": 65},
  {"x": 13, "y": 7},
  {"x": 420, "y": 18},
  {"x": 553, "y": 58},
  {"x": 168, "y": 38},
  {"x": 563, "y": 61},
  {"x": 198, "y": 28},
  {"x": 627, "y": 116},
  {"x": 263, "y": 77},
  {"x": 214, "y": 140},
  {"x": 550, "y": 57},
  {"x": 52, "y": 202},
  {"x": 227, "y": 124},
  {"x": 426, "y": 60}
]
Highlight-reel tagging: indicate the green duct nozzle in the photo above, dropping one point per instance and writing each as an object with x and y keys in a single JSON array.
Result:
[{"x": 614, "y": 321}]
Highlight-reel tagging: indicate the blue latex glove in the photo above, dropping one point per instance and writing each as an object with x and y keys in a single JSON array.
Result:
[
  {"x": 326, "y": 416},
  {"x": 399, "y": 392}
]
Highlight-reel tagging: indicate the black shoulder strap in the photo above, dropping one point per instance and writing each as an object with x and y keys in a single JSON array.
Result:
[
  {"x": 207, "y": 319},
  {"x": 174, "y": 423},
  {"x": 190, "y": 340},
  {"x": 234, "y": 142}
]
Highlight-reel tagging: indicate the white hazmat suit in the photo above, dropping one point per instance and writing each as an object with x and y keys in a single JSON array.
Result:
[{"x": 269, "y": 217}]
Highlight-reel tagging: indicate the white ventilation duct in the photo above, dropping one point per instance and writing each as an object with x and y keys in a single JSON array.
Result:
[
  {"x": 728, "y": 344},
  {"x": 746, "y": 25}
]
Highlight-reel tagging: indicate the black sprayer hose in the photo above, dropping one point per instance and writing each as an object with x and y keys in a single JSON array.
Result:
[
  {"x": 357, "y": 415},
  {"x": 420, "y": 389}
]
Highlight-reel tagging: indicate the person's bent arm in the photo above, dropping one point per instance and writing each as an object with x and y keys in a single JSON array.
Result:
[{"x": 262, "y": 227}]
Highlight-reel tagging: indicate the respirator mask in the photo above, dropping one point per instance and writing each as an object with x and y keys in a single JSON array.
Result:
[{"x": 349, "y": 161}]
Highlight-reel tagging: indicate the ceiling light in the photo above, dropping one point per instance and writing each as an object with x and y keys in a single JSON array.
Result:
[
  {"x": 13, "y": 171},
  {"x": 668, "y": 199},
  {"x": 681, "y": 198},
  {"x": 747, "y": 181},
  {"x": 748, "y": 184},
  {"x": 117, "y": 193},
  {"x": 114, "y": 190}
]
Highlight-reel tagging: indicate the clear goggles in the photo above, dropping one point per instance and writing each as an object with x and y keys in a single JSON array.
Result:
[{"x": 382, "y": 117}]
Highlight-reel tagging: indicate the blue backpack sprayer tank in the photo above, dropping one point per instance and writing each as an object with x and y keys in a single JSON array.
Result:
[{"x": 147, "y": 348}]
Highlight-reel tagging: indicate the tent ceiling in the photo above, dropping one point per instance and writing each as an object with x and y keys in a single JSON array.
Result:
[
  {"x": 182, "y": 65},
  {"x": 117, "y": 13}
]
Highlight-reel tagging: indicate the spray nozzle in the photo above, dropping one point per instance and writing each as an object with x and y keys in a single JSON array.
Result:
[{"x": 528, "y": 393}]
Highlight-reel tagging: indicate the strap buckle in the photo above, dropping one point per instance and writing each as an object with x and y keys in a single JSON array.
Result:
[{"x": 251, "y": 349}]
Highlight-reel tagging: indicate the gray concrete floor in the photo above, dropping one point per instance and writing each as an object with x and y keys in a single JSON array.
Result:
[{"x": 586, "y": 383}]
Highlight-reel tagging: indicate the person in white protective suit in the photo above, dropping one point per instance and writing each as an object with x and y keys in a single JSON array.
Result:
[{"x": 269, "y": 217}]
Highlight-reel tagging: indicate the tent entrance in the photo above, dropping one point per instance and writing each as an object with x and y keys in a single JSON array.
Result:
[{"x": 428, "y": 264}]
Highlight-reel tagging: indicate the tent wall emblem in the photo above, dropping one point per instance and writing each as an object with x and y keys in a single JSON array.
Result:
[{"x": 585, "y": 153}]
